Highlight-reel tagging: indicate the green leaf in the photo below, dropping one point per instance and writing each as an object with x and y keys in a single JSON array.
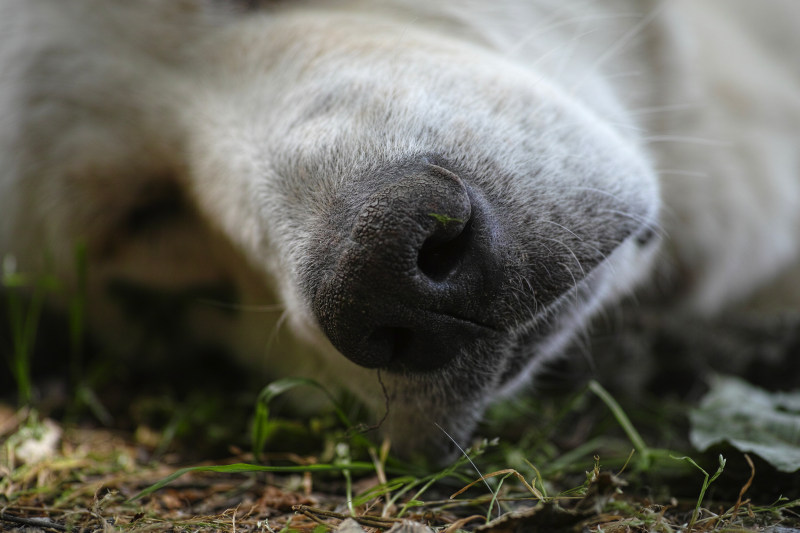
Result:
[
  {"x": 444, "y": 219},
  {"x": 261, "y": 421},
  {"x": 751, "y": 420}
]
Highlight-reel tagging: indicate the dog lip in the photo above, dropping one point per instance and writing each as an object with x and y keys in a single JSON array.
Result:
[
  {"x": 406, "y": 348},
  {"x": 455, "y": 319}
]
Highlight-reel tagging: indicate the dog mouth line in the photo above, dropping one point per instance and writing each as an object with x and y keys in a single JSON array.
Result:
[
  {"x": 518, "y": 338},
  {"x": 453, "y": 319}
]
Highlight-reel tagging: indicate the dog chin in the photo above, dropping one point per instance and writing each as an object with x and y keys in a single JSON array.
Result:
[{"x": 430, "y": 415}]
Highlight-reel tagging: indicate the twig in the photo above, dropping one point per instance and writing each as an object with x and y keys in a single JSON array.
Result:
[
  {"x": 745, "y": 487},
  {"x": 32, "y": 522},
  {"x": 312, "y": 516},
  {"x": 458, "y": 524},
  {"x": 365, "y": 520}
]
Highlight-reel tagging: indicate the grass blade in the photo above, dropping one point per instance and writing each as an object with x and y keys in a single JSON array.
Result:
[
  {"x": 706, "y": 483},
  {"x": 261, "y": 421},
  {"x": 238, "y": 468},
  {"x": 624, "y": 422}
]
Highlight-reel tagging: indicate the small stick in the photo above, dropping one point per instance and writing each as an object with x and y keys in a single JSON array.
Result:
[
  {"x": 32, "y": 522},
  {"x": 745, "y": 487},
  {"x": 366, "y": 520}
]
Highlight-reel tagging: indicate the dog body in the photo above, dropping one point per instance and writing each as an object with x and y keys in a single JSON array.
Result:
[{"x": 445, "y": 191}]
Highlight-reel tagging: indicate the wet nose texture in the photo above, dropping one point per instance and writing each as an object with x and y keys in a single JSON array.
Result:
[{"x": 407, "y": 290}]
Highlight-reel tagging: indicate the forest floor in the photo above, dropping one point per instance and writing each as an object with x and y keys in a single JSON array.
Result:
[{"x": 564, "y": 463}]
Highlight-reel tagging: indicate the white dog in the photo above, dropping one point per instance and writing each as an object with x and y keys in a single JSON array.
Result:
[{"x": 438, "y": 195}]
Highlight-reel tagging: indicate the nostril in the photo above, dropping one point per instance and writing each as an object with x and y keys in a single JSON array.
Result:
[
  {"x": 442, "y": 252},
  {"x": 404, "y": 291}
]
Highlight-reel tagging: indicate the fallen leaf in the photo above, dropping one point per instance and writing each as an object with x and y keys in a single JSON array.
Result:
[
  {"x": 751, "y": 420},
  {"x": 39, "y": 442}
]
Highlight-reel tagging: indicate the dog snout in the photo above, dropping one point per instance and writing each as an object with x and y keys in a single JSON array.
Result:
[{"x": 405, "y": 291}]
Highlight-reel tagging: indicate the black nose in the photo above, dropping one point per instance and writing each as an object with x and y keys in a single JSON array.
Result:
[{"x": 408, "y": 290}]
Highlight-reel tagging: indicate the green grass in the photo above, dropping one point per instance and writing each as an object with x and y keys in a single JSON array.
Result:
[
  {"x": 444, "y": 219},
  {"x": 24, "y": 301},
  {"x": 706, "y": 482},
  {"x": 594, "y": 484},
  {"x": 406, "y": 489}
]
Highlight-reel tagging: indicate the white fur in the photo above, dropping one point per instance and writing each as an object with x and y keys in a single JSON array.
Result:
[{"x": 690, "y": 109}]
